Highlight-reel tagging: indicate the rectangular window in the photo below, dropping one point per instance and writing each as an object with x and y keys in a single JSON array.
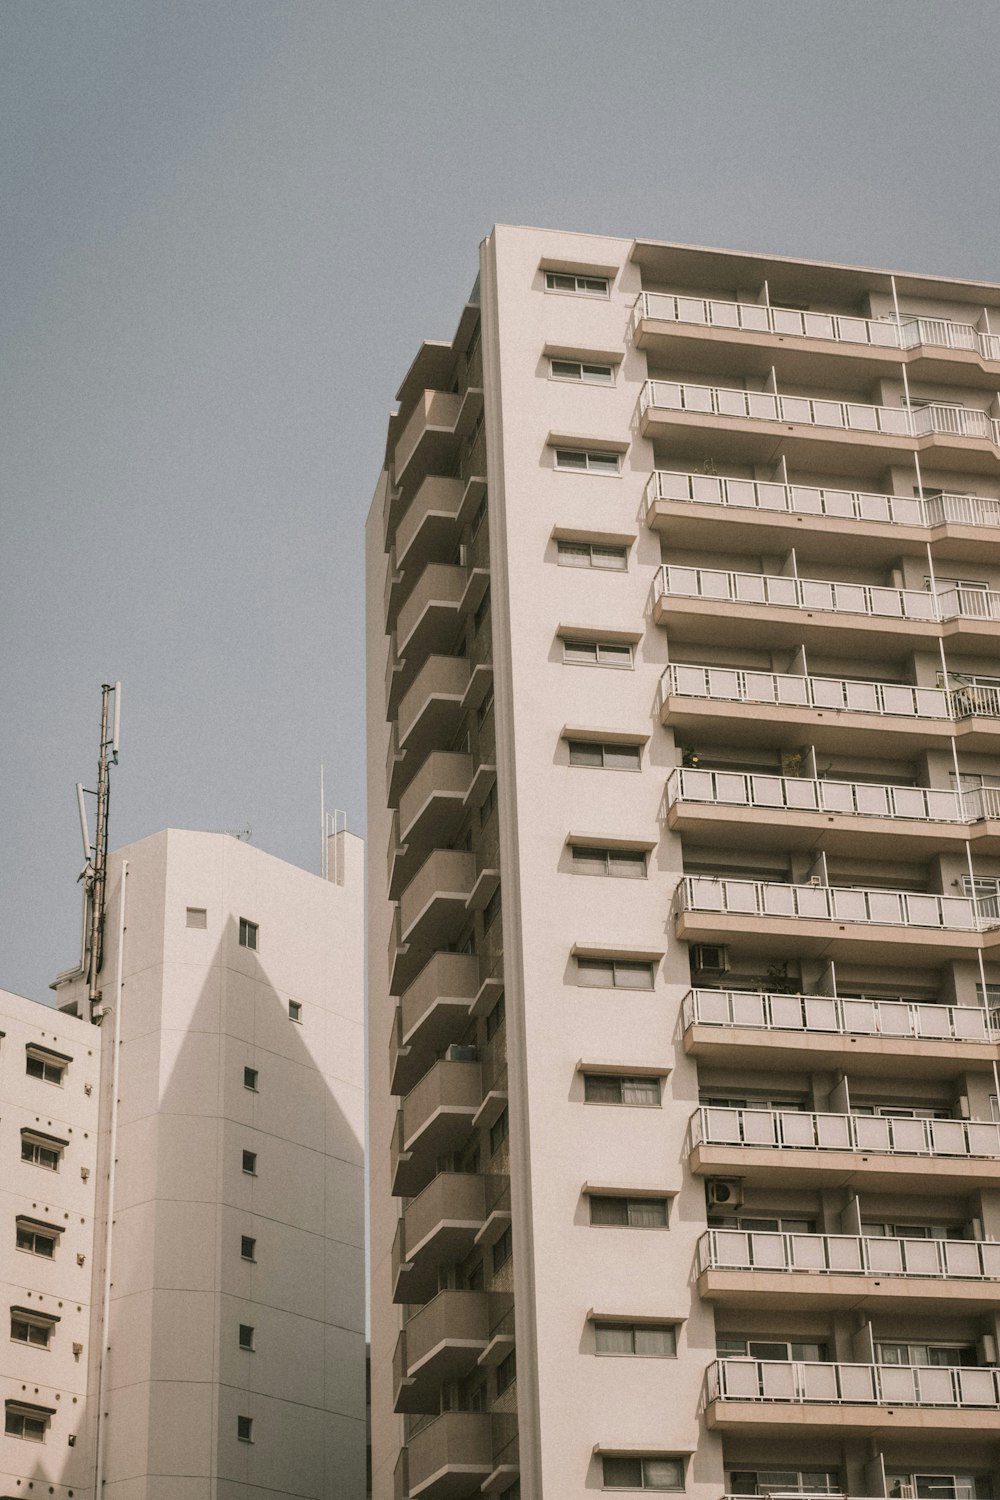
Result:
[
  {"x": 597, "y": 653},
  {"x": 495, "y": 1019},
  {"x": 778, "y": 1350},
  {"x": 506, "y": 1372},
  {"x": 589, "y": 460},
  {"x": 607, "y": 757},
  {"x": 614, "y": 973},
  {"x": 246, "y": 1337},
  {"x": 295, "y": 1010},
  {"x": 37, "y": 1239},
  {"x": 582, "y": 286},
  {"x": 643, "y": 1473},
  {"x": 41, "y": 1150},
  {"x": 196, "y": 916},
  {"x": 503, "y": 1249},
  {"x": 248, "y": 933},
  {"x": 482, "y": 712},
  {"x": 31, "y": 1328},
  {"x": 499, "y": 1131},
  {"x": 633, "y": 1213},
  {"x": 626, "y": 864},
  {"x": 45, "y": 1065},
  {"x": 581, "y": 371},
  {"x": 644, "y": 1340},
  {"x": 244, "y": 1429},
  {"x": 491, "y": 910},
  {"x": 28, "y": 1422},
  {"x": 250, "y": 1163},
  {"x": 250, "y": 1079},
  {"x": 591, "y": 555},
  {"x": 618, "y": 1088},
  {"x": 489, "y": 804},
  {"x": 248, "y": 1247}
]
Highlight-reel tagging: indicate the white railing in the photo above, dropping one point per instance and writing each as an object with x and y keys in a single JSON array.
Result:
[
  {"x": 848, "y": 1255},
  {"x": 816, "y": 411},
  {"x": 816, "y": 500},
  {"x": 826, "y": 903},
  {"x": 801, "y": 794},
  {"x": 841, "y": 1016},
  {"x": 842, "y": 695},
  {"x": 799, "y": 1130},
  {"x": 842, "y": 1384},
  {"x": 955, "y": 603},
  {"x": 847, "y": 328},
  {"x": 728, "y": 587}
]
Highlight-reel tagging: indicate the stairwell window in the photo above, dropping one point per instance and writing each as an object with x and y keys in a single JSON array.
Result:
[
  {"x": 630, "y": 1213},
  {"x": 580, "y": 286},
  {"x": 589, "y": 460},
  {"x": 642, "y": 1473},
  {"x": 249, "y": 932}
]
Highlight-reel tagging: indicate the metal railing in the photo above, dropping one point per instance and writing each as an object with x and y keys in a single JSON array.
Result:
[
  {"x": 819, "y": 411},
  {"x": 827, "y": 903},
  {"x": 800, "y": 1130},
  {"x": 851, "y": 1384},
  {"x": 801, "y": 794},
  {"x": 817, "y": 500},
  {"x": 848, "y": 1255},
  {"x": 847, "y": 328},
  {"x": 841, "y": 1016}
]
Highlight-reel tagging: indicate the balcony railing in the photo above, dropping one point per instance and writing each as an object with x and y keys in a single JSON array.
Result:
[
  {"x": 846, "y": 328},
  {"x": 856, "y": 799},
  {"x": 771, "y": 898},
  {"x": 799, "y": 1130},
  {"x": 816, "y": 500},
  {"x": 854, "y": 1385},
  {"x": 820, "y": 411},
  {"x": 833, "y": 1015},
  {"x": 872, "y": 600},
  {"x": 848, "y": 1255}
]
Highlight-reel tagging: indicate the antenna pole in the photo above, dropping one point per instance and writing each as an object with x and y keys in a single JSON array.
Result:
[
  {"x": 97, "y": 876},
  {"x": 324, "y": 869}
]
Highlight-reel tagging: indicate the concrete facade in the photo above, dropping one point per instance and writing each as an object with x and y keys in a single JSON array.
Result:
[
  {"x": 233, "y": 1346},
  {"x": 683, "y": 594}
]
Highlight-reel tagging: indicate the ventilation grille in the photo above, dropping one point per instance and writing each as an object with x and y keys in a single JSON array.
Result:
[{"x": 197, "y": 916}]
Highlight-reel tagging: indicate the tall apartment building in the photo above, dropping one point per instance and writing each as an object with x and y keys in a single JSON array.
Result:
[
  {"x": 684, "y": 701},
  {"x": 210, "y": 1340}
]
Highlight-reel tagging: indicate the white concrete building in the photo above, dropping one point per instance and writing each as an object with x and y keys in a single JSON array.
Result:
[
  {"x": 684, "y": 590},
  {"x": 223, "y": 1343}
]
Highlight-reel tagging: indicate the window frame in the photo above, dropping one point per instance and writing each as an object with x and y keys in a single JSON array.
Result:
[
  {"x": 249, "y": 1255},
  {"x": 630, "y": 1204},
  {"x": 624, "y": 1078},
  {"x": 244, "y": 1428},
  {"x": 579, "y": 748},
  {"x": 38, "y": 1230},
  {"x": 583, "y": 366},
  {"x": 564, "y": 546},
  {"x": 617, "y": 648},
  {"x": 642, "y": 1459},
  {"x": 580, "y": 854},
  {"x": 632, "y": 1327},
  {"x": 249, "y": 1163},
  {"x": 35, "y": 1145},
  {"x": 247, "y": 1338},
  {"x": 596, "y": 461},
  {"x": 600, "y": 293},
  {"x": 249, "y": 935},
  {"x": 28, "y": 1318},
  {"x": 251, "y": 1078},
  {"x": 39, "y": 1416},
  {"x": 591, "y": 964},
  {"x": 46, "y": 1061},
  {"x": 295, "y": 1012}
]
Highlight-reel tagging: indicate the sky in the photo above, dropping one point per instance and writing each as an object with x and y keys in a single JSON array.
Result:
[{"x": 225, "y": 229}]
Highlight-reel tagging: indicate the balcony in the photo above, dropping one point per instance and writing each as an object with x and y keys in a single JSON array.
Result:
[
  {"x": 437, "y": 1228},
  {"x": 435, "y": 1121},
  {"x": 433, "y": 905},
  {"x": 430, "y": 811},
  {"x": 836, "y": 713},
  {"x": 909, "y": 1038},
  {"x": 787, "y": 812},
  {"x": 771, "y": 1395},
  {"x": 431, "y": 709},
  {"x": 441, "y": 1342},
  {"x": 736, "y": 1267},
  {"x": 882, "y": 1152},
  {"x": 689, "y": 509},
  {"x": 815, "y": 432},
  {"x": 433, "y": 1012},
  {"x": 428, "y": 442},
  {"x": 426, "y": 625},
  {"x": 450, "y": 1457},
  {"x": 428, "y": 531},
  {"x": 836, "y": 921}
]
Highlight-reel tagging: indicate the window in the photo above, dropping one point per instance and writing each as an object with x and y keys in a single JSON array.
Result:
[
  {"x": 250, "y": 1079},
  {"x": 495, "y": 1019},
  {"x": 248, "y": 1247},
  {"x": 614, "y": 974},
  {"x": 503, "y": 1249},
  {"x": 482, "y": 613},
  {"x": 582, "y": 286},
  {"x": 506, "y": 1372},
  {"x": 248, "y": 933},
  {"x": 27, "y": 1327},
  {"x": 41, "y": 1150},
  {"x": 37, "y": 1239},
  {"x": 618, "y": 1088},
  {"x": 645, "y": 1340},
  {"x": 591, "y": 555},
  {"x": 779, "y": 1350},
  {"x": 28, "y": 1422},
  {"x": 491, "y": 910},
  {"x": 246, "y": 1337},
  {"x": 482, "y": 712},
  {"x": 196, "y": 916},
  {"x": 940, "y": 1355},
  {"x": 244, "y": 1429},
  {"x": 607, "y": 757},
  {"x": 581, "y": 371},
  {"x": 787, "y": 1481},
  {"x": 250, "y": 1163},
  {"x": 489, "y": 804},
  {"x": 589, "y": 460},
  {"x": 627, "y": 864},
  {"x": 768, "y": 1223},
  {"x": 633, "y": 1213},
  {"x": 499, "y": 1131},
  {"x": 597, "y": 653},
  {"x": 643, "y": 1473},
  {"x": 295, "y": 1010},
  {"x": 939, "y": 1486},
  {"x": 48, "y": 1066}
]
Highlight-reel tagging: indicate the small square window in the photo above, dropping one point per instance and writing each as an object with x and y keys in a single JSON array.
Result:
[
  {"x": 248, "y": 1247},
  {"x": 248, "y": 933},
  {"x": 244, "y": 1429},
  {"x": 247, "y": 1337},
  {"x": 196, "y": 916},
  {"x": 250, "y": 1079},
  {"x": 250, "y": 1163},
  {"x": 295, "y": 1010}
]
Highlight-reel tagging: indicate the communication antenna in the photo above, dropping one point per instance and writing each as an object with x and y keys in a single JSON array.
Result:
[
  {"x": 330, "y": 824},
  {"x": 95, "y": 853}
]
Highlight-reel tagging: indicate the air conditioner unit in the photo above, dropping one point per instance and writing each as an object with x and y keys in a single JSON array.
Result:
[
  {"x": 462, "y": 1053},
  {"x": 986, "y": 1348},
  {"x": 709, "y": 958},
  {"x": 724, "y": 1192}
]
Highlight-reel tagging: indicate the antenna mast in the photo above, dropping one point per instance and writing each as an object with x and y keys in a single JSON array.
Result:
[{"x": 96, "y": 872}]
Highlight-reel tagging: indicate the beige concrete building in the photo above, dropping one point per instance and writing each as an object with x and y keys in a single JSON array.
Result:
[
  {"x": 684, "y": 582},
  {"x": 210, "y": 1341}
]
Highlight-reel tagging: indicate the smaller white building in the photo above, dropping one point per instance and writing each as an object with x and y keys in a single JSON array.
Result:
[{"x": 218, "y": 1325}]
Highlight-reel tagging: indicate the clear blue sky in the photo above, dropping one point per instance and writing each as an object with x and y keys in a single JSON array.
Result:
[{"x": 225, "y": 228}]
